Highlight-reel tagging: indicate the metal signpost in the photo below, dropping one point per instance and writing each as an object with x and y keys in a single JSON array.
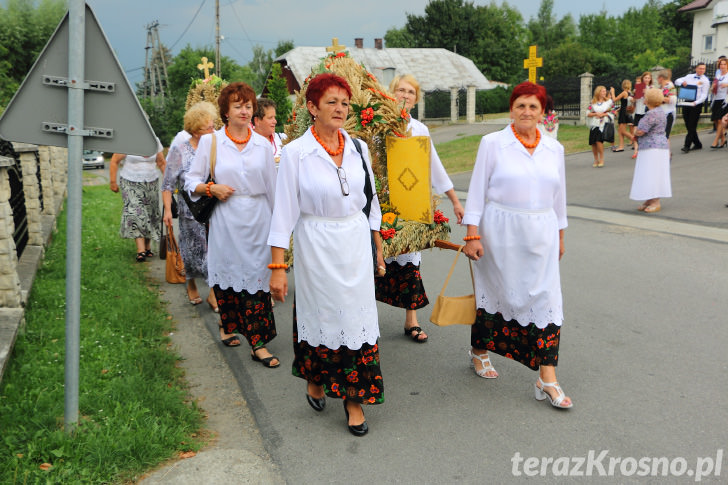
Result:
[{"x": 76, "y": 95}]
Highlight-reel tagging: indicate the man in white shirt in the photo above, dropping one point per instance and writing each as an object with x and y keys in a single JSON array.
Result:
[{"x": 691, "y": 109}]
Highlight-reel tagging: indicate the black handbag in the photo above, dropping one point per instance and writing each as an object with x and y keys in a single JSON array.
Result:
[
  {"x": 608, "y": 134},
  {"x": 202, "y": 208}
]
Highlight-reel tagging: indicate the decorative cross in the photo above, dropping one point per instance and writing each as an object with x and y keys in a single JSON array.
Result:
[
  {"x": 532, "y": 63},
  {"x": 205, "y": 66},
  {"x": 335, "y": 46}
]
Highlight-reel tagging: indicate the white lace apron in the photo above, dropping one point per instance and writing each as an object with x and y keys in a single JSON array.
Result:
[
  {"x": 335, "y": 302},
  {"x": 518, "y": 274}
]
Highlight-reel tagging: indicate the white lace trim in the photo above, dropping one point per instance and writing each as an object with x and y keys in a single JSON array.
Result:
[
  {"x": 237, "y": 279},
  {"x": 540, "y": 317},
  {"x": 414, "y": 258},
  {"x": 361, "y": 318}
]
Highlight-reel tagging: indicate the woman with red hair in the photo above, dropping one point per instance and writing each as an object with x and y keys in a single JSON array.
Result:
[
  {"x": 516, "y": 215},
  {"x": 244, "y": 184},
  {"x": 322, "y": 199}
]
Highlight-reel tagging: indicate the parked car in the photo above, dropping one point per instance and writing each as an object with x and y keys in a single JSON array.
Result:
[{"x": 93, "y": 159}]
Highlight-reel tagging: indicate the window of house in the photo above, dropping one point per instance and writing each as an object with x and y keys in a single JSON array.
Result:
[{"x": 708, "y": 43}]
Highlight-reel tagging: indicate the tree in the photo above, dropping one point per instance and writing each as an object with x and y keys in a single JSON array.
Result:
[
  {"x": 283, "y": 46},
  {"x": 492, "y": 36},
  {"x": 545, "y": 31},
  {"x": 398, "y": 38},
  {"x": 278, "y": 92},
  {"x": 24, "y": 30}
]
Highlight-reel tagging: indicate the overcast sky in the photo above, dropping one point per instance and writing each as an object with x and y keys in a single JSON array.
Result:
[{"x": 244, "y": 23}]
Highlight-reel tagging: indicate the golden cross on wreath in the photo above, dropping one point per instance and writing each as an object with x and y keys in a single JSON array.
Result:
[
  {"x": 335, "y": 46},
  {"x": 532, "y": 63},
  {"x": 205, "y": 66}
]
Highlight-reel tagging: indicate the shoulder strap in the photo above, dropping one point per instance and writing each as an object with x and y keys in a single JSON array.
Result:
[
  {"x": 213, "y": 156},
  {"x": 452, "y": 268},
  {"x": 368, "y": 192}
]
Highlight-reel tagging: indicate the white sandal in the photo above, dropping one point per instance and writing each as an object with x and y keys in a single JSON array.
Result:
[
  {"x": 485, "y": 362},
  {"x": 540, "y": 394}
]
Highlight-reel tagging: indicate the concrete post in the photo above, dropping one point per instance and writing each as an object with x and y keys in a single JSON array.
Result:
[
  {"x": 421, "y": 108},
  {"x": 59, "y": 164},
  {"x": 453, "y": 104},
  {"x": 586, "y": 95},
  {"x": 471, "y": 105},
  {"x": 10, "y": 295}
]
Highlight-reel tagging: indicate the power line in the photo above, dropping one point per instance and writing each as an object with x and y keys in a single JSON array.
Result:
[
  {"x": 188, "y": 25},
  {"x": 241, "y": 24}
]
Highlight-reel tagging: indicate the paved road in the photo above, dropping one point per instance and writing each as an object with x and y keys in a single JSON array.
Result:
[{"x": 642, "y": 356}]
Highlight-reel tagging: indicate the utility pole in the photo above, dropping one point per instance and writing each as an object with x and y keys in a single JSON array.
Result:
[
  {"x": 217, "y": 38},
  {"x": 155, "y": 66}
]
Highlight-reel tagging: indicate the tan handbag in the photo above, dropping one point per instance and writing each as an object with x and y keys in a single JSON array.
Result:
[
  {"x": 175, "y": 271},
  {"x": 453, "y": 310}
]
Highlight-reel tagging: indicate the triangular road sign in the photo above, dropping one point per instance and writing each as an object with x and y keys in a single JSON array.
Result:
[{"x": 114, "y": 121}]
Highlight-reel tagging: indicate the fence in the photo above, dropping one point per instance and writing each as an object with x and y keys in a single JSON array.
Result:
[{"x": 32, "y": 189}]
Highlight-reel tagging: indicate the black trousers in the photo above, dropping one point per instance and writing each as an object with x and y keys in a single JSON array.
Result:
[{"x": 691, "y": 116}]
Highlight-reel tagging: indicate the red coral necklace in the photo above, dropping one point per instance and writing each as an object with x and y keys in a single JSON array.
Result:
[
  {"x": 331, "y": 152},
  {"x": 523, "y": 142},
  {"x": 239, "y": 142}
]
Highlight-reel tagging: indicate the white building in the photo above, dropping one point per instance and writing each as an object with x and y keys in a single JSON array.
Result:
[{"x": 710, "y": 28}]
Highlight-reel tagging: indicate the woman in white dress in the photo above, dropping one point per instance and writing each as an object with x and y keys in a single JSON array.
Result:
[
  {"x": 321, "y": 198},
  {"x": 651, "y": 179},
  {"x": 402, "y": 286},
  {"x": 244, "y": 184},
  {"x": 517, "y": 205}
]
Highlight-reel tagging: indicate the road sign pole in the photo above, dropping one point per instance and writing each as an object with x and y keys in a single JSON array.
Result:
[{"x": 76, "y": 78}]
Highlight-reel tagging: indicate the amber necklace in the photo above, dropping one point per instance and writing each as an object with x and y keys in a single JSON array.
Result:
[
  {"x": 331, "y": 152},
  {"x": 523, "y": 142},
  {"x": 239, "y": 142}
]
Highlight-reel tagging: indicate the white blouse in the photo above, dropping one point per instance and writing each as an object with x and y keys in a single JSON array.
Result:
[
  {"x": 308, "y": 184},
  {"x": 602, "y": 107},
  {"x": 237, "y": 251},
  {"x": 135, "y": 168},
  {"x": 507, "y": 174}
]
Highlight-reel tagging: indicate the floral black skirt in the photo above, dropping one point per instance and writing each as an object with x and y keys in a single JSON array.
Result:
[
  {"x": 343, "y": 373},
  {"x": 401, "y": 287},
  {"x": 529, "y": 345},
  {"x": 248, "y": 315}
]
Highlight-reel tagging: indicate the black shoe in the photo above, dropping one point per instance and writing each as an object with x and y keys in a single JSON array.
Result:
[
  {"x": 357, "y": 430},
  {"x": 318, "y": 404},
  {"x": 685, "y": 149},
  {"x": 698, "y": 148}
]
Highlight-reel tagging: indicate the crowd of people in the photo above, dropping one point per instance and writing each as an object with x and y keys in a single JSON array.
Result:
[
  {"x": 319, "y": 191},
  {"x": 645, "y": 114}
]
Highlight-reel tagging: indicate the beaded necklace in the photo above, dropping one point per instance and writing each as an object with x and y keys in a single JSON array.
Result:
[
  {"x": 239, "y": 142},
  {"x": 523, "y": 142},
  {"x": 331, "y": 152}
]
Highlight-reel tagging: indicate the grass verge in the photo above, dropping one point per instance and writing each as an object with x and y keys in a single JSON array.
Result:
[
  {"x": 459, "y": 155},
  {"x": 133, "y": 404}
]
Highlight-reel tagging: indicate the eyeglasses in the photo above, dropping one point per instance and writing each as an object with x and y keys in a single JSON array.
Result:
[
  {"x": 406, "y": 91},
  {"x": 342, "y": 181}
]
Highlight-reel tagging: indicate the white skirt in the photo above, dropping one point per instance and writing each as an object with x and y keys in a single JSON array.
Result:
[
  {"x": 518, "y": 275},
  {"x": 334, "y": 279},
  {"x": 651, "y": 175},
  {"x": 238, "y": 253}
]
